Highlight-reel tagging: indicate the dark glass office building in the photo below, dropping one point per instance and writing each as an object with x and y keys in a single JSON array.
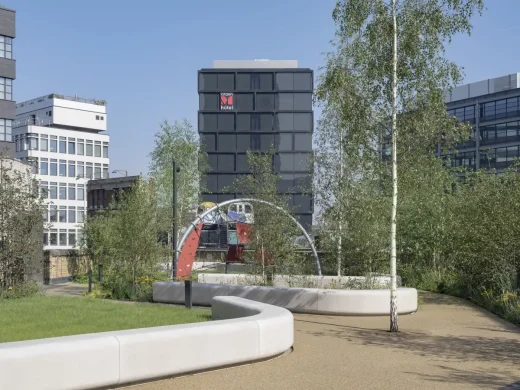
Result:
[
  {"x": 493, "y": 108},
  {"x": 251, "y": 105}
]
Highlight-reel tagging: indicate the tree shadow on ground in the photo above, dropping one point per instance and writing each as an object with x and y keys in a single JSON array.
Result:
[
  {"x": 480, "y": 378},
  {"x": 440, "y": 347},
  {"x": 431, "y": 298}
]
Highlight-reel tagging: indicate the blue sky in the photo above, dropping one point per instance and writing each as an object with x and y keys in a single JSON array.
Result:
[{"x": 143, "y": 57}]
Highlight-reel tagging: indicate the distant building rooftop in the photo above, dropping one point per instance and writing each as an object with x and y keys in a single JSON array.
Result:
[
  {"x": 484, "y": 87},
  {"x": 254, "y": 64},
  {"x": 63, "y": 97}
]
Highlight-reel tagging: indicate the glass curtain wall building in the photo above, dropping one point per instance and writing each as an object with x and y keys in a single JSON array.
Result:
[
  {"x": 251, "y": 105},
  {"x": 492, "y": 107}
]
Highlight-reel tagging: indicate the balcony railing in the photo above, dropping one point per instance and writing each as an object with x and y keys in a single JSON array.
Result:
[
  {"x": 64, "y": 97},
  {"x": 32, "y": 122}
]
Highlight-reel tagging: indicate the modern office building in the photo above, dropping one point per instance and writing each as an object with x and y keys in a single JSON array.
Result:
[
  {"x": 64, "y": 138},
  {"x": 251, "y": 105},
  {"x": 493, "y": 108},
  {"x": 102, "y": 192},
  {"x": 7, "y": 75}
]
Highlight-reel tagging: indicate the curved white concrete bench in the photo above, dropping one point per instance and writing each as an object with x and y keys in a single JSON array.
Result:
[
  {"x": 247, "y": 331},
  {"x": 297, "y": 300}
]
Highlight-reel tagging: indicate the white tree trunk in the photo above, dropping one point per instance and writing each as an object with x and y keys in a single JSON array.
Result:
[
  {"x": 340, "y": 227},
  {"x": 393, "y": 255}
]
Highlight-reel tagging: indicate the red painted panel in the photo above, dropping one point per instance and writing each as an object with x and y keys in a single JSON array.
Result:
[
  {"x": 243, "y": 232},
  {"x": 235, "y": 254},
  {"x": 188, "y": 251}
]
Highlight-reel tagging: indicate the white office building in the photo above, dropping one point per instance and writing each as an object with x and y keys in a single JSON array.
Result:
[{"x": 64, "y": 138}]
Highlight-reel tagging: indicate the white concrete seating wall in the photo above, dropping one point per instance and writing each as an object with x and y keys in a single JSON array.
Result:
[
  {"x": 297, "y": 300},
  {"x": 248, "y": 331},
  {"x": 314, "y": 281}
]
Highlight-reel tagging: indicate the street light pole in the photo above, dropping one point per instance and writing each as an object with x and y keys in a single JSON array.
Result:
[{"x": 174, "y": 227}]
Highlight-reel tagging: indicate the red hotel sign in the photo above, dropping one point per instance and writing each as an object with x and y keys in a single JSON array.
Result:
[{"x": 226, "y": 101}]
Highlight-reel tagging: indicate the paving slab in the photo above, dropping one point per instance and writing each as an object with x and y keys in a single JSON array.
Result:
[
  {"x": 448, "y": 344},
  {"x": 72, "y": 289}
]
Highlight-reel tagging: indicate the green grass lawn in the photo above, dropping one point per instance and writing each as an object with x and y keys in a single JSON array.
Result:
[{"x": 41, "y": 317}]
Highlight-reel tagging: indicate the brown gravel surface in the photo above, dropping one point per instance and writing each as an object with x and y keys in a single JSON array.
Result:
[{"x": 448, "y": 344}]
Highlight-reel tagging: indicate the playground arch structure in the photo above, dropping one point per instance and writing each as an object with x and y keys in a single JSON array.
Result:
[{"x": 200, "y": 218}]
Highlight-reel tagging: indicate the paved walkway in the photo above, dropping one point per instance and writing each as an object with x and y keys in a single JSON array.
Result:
[
  {"x": 447, "y": 344},
  {"x": 74, "y": 289}
]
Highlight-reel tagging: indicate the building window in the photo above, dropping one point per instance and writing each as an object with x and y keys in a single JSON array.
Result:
[
  {"x": 81, "y": 147},
  {"x": 6, "y": 88},
  {"x": 72, "y": 214},
  {"x": 97, "y": 149},
  {"x": 81, "y": 214},
  {"x": 72, "y": 169},
  {"x": 63, "y": 191},
  {"x": 44, "y": 166},
  {"x": 6, "y": 130},
  {"x": 81, "y": 192},
  {"x": 62, "y": 216},
  {"x": 63, "y": 145},
  {"x": 44, "y": 190},
  {"x": 81, "y": 169},
  {"x": 54, "y": 167},
  {"x": 53, "y": 238},
  {"x": 72, "y": 237},
  {"x": 53, "y": 190},
  {"x": 89, "y": 148},
  {"x": 72, "y": 146},
  {"x": 97, "y": 171},
  {"x": 105, "y": 150},
  {"x": 105, "y": 171},
  {"x": 72, "y": 192},
  {"x": 44, "y": 143},
  {"x": 53, "y": 213},
  {"x": 63, "y": 237},
  {"x": 6, "y": 47},
  {"x": 63, "y": 168},
  {"x": 54, "y": 144},
  {"x": 89, "y": 171}
]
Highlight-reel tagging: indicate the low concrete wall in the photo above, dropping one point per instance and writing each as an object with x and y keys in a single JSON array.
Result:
[
  {"x": 297, "y": 300},
  {"x": 308, "y": 281},
  {"x": 247, "y": 331}
]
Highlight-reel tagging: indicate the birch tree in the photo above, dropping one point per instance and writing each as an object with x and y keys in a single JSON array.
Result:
[{"x": 392, "y": 51}]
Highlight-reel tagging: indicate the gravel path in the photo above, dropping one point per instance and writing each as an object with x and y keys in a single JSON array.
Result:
[{"x": 448, "y": 344}]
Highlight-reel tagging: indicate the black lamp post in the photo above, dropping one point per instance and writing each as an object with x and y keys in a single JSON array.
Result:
[{"x": 174, "y": 227}]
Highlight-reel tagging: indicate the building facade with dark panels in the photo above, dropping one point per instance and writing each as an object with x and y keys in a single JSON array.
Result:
[
  {"x": 102, "y": 192},
  {"x": 251, "y": 105},
  {"x": 7, "y": 76},
  {"x": 492, "y": 107}
]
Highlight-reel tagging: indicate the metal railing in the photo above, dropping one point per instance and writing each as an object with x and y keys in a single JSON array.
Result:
[
  {"x": 97, "y": 102},
  {"x": 32, "y": 122}
]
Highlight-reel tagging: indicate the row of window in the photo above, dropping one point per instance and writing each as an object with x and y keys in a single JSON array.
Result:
[
  {"x": 500, "y": 131},
  {"x": 489, "y": 158},
  {"x": 300, "y": 203},
  {"x": 64, "y": 214},
  {"x": 464, "y": 114},
  {"x": 54, "y": 190},
  {"x": 68, "y": 168},
  {"x": 500, "y": 108},
  {"x": 63, "y": 145},
  {"x": 283, "y": 162},
  {"x": 6, "y": 129},
  {"x": 61, "y": 237},
  {"x": 6, "y": 88},
  {"x": 6, "y": 47},
  {"x": 259, "y": 101},
  {"x": 282, "y": 81},
  {"x": 288, "y": 182},
  {"x": 301, "y": 122},
  {"x": 283, "y": 142}
]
